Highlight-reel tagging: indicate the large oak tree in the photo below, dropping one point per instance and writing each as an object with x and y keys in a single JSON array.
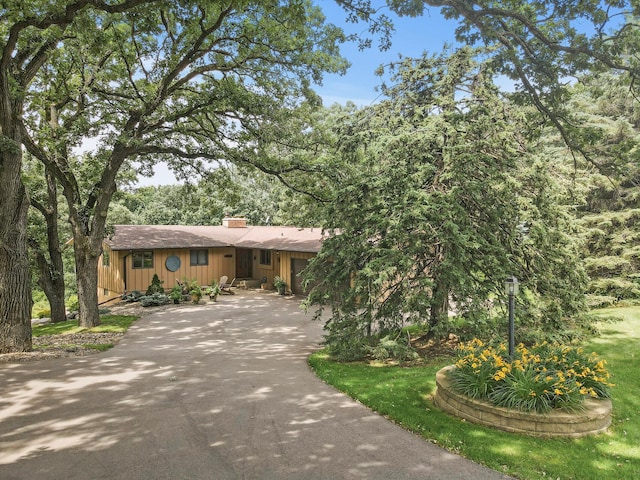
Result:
[
  {"x": 29, "y": 32},
  {"x": 146, "y": 81}
]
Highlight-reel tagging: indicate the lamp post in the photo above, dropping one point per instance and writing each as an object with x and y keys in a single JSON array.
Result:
[{"x": 511, "y": 289}]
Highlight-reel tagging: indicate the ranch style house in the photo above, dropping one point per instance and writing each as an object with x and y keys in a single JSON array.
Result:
[{"x": 248, "y": 254}]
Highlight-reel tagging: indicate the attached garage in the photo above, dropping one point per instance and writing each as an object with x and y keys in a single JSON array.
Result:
[{"x": 134, "y": 253}]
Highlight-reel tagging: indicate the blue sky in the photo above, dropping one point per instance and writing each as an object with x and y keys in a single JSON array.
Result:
[{"x": 411, "y": 38}]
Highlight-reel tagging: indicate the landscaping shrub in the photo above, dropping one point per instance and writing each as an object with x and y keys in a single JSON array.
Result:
[
  {"x": 538, "y": 379},
  {"x": 156, "y": 285},
  {"x": 345, "y": 340},
  {"x": 617, "y": 287},
  {"x": 154, "y": 300},
  {"x": 40, "y": 307},
  {"x": 72, "y": 303},
  {"x": 396, "y": 348},
  {"x": 133, "y": 296},
  {"x": 600, "y": 301}
]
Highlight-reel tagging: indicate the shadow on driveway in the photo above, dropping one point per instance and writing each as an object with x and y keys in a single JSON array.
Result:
[{"x": 217, "y": 391}]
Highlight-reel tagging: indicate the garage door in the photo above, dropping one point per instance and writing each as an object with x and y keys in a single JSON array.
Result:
[{"x": 297, "y": 266}]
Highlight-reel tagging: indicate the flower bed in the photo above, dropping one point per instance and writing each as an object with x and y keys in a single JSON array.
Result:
[
  {"x": 541, "y": 385},
  {"x": 595, "y": 416},
  {"x": 537, "y": 379}
]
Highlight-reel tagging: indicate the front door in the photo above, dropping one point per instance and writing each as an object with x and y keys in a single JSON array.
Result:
[{"x": 244, "y": 263}]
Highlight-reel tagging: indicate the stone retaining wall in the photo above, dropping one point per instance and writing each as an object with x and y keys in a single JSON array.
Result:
[{"x": 595, "y": 418}]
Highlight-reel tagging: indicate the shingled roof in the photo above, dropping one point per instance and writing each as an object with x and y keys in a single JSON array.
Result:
[{"x": 152, "y": 237}]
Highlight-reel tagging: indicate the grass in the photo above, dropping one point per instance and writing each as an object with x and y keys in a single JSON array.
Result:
[
  {"x": 110, "y": 324},
  {"x": 403, "y": 394}
]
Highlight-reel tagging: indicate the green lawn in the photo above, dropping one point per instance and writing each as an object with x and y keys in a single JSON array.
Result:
[
  {"x": 110, "y": 324},
  {"x": 404, "y": 395}
]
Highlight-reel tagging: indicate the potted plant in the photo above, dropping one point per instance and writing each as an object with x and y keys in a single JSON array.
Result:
[
  {"x": 213, "y": 291},
  {"x": 176, "y": 294},
  {"x": 280, "y": 285},
  {"x": 195, "y": 291}
]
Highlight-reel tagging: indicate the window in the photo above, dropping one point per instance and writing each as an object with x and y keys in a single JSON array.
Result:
[
  {"x": 106, "y": 258},
  {"x": 142, "y": 259},
  {"x": 265, "y": 257},
  {"x": 200, "y": 257}
]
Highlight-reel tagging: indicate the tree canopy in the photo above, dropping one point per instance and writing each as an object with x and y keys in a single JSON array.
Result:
[
  {"x": 201, "y": 84},
  {"x": 186, "y": 82},
  {"x": 444, "y": 198},
  {"x": 542, "y": 45}
]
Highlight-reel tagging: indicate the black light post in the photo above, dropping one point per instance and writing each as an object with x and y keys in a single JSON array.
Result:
[{"x": 511, "y": 288}]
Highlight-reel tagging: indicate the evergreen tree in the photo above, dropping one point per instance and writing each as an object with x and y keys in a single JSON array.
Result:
[
  {"x": 439, "y": 182},
  {"x": 609, "y": 215}
]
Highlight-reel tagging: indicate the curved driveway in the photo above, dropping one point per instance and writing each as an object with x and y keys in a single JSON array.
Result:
[{"x": 219, "y": 391}]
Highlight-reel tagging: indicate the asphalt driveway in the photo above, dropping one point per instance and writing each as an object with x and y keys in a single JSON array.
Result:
[{"x": 219, "y": 391}]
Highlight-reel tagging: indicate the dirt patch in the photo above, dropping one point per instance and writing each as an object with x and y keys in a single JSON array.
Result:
[
  {"x": 430, "y": 348},
  {"x": 60, "y": 346}
]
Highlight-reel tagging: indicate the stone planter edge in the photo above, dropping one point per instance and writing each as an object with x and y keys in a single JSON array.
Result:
[{"x": 595, "y": 418}]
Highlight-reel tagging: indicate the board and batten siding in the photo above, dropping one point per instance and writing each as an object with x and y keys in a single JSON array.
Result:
[
  {"x": 285, "y": 264},
  {"x": 221, "y": 261},
  {"x": 110, "y": 281},
  {"x": 269, "y": 271}
]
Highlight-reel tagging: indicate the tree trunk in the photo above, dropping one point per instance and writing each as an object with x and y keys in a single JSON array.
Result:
[
  {"x": 439, "y": 304},
  {"x": 87, "y": 282},
  {"x": 51, "y": 281},
  {"x": 15, "y": 278},
  {"x": 88, "y": 225},
  {"x": 439, "y": 310},
  {"x": 15, "y": 274},
  {"x": 51, "y": 273},
  {"x": 56, "y": 303}
]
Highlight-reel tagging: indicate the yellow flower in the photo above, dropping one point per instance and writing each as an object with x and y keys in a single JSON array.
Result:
[
  {"x": 557, "y": 391},
  {"x": 499, "y": 375},
  {"x": 588, "y": 391}
]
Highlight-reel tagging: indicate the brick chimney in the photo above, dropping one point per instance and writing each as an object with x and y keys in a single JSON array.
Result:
[{"x": 234, "y": 222}]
